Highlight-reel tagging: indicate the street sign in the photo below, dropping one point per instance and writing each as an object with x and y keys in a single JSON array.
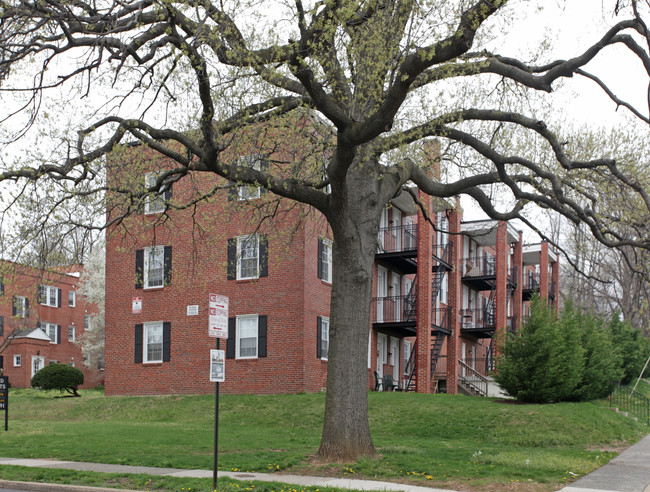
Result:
[
  {"x": 136, "y": 305},
  {"x": 218, "y": 316},
  {"x": 4, "y": 399},
  {"x": 217, "y": 366}
]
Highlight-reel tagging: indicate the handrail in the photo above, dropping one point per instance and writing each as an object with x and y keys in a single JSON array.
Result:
[
  {"x": 473, "y": 378},
  {"x": 395, "y": 239},
  {"x": 629, "y": 400}
]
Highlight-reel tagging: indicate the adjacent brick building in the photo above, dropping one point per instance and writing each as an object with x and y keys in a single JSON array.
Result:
[
  {"x": 41, "y": 317},
  {"x": 441, "y": 295}
]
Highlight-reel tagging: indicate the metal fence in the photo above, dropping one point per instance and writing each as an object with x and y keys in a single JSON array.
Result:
[{"x": 626, "y": 399}]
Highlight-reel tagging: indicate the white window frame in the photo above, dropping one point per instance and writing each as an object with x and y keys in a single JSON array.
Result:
[
  {"x": 17, "y": 360},
  {"x": 72, "y": 298},
  {"x": 86, "y": 322},
  {"x": 154, "y": 251},
  {"x": 50, "y": 296},
  {"x": 324, "y": 337},
  {"x": 153, "y": 204},
  {"x": 326, "y": 260},
  {"x": 72, "y": 333},
  {"x": 249, "y": 192},
  {"x": 50, "y": 330},
  {"x": 155, "y": 329},
  {"x": 21, "y": 308},
  {"x": 242, "y": 242},
  {"x": 246, "y": 318}
]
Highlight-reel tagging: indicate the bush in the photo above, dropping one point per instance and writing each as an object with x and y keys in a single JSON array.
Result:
[
  {"x": 59, "y": 376},
  {"x": 573, "y": 357}
]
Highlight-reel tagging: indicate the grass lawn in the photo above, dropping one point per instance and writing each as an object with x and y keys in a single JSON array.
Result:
[{"x": 435, "y": 440}]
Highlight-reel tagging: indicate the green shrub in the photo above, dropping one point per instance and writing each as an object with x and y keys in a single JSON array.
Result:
[
  {"x": 59, "y": 376},
  {"x": 632, "y": 347}
]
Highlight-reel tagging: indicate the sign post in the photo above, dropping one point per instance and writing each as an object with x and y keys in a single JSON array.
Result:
[
  {"x": 217, "y": 328},
  {"x": 4, "y": 399}
]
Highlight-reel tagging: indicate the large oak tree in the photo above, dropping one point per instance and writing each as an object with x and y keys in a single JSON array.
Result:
[{"x": 183, "y": 76}]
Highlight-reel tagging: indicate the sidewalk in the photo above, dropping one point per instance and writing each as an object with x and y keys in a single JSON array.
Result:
[{"x": 628, "y": 472}]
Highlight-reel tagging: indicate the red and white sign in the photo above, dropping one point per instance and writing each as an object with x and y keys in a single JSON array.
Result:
[
  {"x": 218, "y": 316},
  {"x": 136, "y": 307}
]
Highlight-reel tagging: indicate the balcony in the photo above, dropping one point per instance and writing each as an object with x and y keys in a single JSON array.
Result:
[
  {"x": 531, "y": 285},
  {"x": 480, "y": 272},
  {"x": 395, "y": 314},
  {"x": 398, "y": 246},
  {"x": 480, "y": 323}
]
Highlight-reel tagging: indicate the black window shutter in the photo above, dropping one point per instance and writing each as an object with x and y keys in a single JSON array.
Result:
[
  {"x": 41, "y": 294},
  {"x": 14, "y": 311},
  {"x": 58, "y": 298},
  {"x": 26, "y": 308},
  {"x": 319, "y": 336},
  {"x": 230, "y": 342},
  {"x": 320, "y": 257},
  {"x": 264, "y": 256},
  {"x": 139, "y": 268},
  {"x": 167, "y": 338},
  {"x": 2, "y": 288},
  {"x": 168, "y": 265},
  {"x": 232, "y": 259},
  {"x": 2, "y": 326},
  {"x": 168, "y": 193},
  {"x": 261, "y": 336},
  {"x": 138, "y": 344},
  {"x": 2, "y": 362},
  {"x": 58, "y": 334}
]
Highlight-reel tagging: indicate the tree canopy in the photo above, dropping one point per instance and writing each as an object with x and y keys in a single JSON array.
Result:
[{"x": 187, "y": 78}]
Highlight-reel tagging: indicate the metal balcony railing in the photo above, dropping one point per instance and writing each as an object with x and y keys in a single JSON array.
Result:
[
  {"x": 477, "y": 318},
  {"x": 397, "y": 239},
  {"x": 484, "y": 266},
  {"x": 393, "y": 309}
]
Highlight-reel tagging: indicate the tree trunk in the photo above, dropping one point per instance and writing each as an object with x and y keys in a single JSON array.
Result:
[{"x": 355, "y": 225}]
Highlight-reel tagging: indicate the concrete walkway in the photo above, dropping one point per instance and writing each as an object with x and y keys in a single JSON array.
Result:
[{"x": 628, "y": 472}]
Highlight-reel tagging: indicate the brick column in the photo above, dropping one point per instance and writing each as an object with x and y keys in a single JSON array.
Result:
[
  {"x": 423, "y": 326},
  {"x": 518, "y": 263},
  {"x": 501, "y": 298},
  {"x": 555, "y": 277},
  {"x": 453, "y": 341},
  {"x": 543, "y": 272}
]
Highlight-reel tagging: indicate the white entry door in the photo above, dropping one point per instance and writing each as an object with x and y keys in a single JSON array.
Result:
[
  {"x": 394, "y": 358},
  {"x": 382, "y": 291},
  {"x": 37, "y": 364},
  {"x": 382, "y": 352}
]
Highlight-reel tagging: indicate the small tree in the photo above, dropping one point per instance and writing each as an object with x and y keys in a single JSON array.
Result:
[
  {"x": 530, "y": 368},
  {"x": 59, "y": 376}
]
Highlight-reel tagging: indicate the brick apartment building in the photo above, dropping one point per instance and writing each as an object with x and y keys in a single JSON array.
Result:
[
  {"x": 42, "y": 315},
  {"x": 441, "y": 295}
]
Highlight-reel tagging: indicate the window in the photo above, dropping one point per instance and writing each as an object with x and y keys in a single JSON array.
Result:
[
  {"x": 247, "y": 257},
  {"x": 17, "y": 360},
  {"x": 71, "y": 364},
  {"x": 246, "y": 337},
  {"x": 322, "y": 337},
  {"x": 325, "y": 260},
  {"x": 72, "y": 298},
  {"x": 86, "y": 322},
  {"x": 20, "y": 307},
  {"x": 71, "y": 334},
  {"x": 152, "y": 342},
  {"x": 153, "y": 267},
  {"x": 49, "y": 296},
  {"x": 51, "y": 330},
  {"x": 249, "y": 191},
  {"x": 155, "y": 203}
]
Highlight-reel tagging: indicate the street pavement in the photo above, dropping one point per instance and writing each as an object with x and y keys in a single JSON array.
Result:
[{"x": 628, "y": 472}]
